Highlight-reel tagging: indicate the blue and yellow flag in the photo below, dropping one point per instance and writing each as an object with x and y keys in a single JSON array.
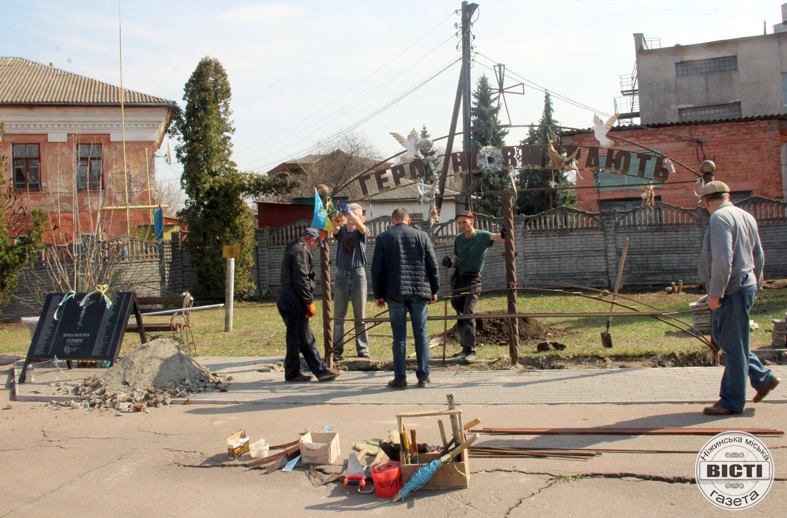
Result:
[{"x": 321, "y": 220}]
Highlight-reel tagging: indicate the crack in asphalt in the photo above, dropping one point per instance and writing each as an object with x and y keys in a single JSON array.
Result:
[
  {"x": 70, "y": 481},
  {"x": 619, "y": 475},
  {"x": 551, "y": 482}
]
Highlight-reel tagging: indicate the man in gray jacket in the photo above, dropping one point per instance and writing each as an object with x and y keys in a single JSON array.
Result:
[
  {"x": 731, "y": 265},
  {"x": 404, "y": 275}
]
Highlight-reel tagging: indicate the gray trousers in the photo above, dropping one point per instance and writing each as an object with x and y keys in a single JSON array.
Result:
[{"x": 350, "y": 285}]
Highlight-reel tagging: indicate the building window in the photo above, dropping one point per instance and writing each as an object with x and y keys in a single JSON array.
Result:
[
  {"x": 710, "y": 112},
  {"x": 27, "y": 167},
  {"x": 89, "y": 169},
  {"x": 706, "y": 66}
]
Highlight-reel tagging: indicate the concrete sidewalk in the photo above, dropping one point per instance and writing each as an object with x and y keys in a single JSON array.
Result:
[
  {"x": 157, "y": 463},
  {"x": 491, "y": 387}
]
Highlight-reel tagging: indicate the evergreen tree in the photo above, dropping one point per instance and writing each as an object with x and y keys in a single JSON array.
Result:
[
  {"x": 485, "y": 131},
  {"x": 215, "y": 209},
  {"x": 533, "y": 202},
  {"x": 15, "y": 254}
]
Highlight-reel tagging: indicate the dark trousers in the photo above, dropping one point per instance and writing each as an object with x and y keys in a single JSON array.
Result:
[
  {"x": 300, "y": 339},
  {"x": 465, "y": 290}
]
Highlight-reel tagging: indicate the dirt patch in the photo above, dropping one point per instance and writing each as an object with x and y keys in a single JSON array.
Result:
[
  {"x": 149, "y": 376},
  {"x": 494, "y": 331},
  {"x": 554, "y": 361}
]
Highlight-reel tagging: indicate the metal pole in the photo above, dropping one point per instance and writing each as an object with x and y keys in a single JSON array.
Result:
[
  {"x": 327, "y": 302},
  {"x": 229, "y": 294},
  {"x": 467, "y": 14},
  {"x": 511, "y": 282},
  {"x": 450, "y": 142}
]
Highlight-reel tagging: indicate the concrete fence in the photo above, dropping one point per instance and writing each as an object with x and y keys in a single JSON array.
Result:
[{"x": 561, "y": 244}]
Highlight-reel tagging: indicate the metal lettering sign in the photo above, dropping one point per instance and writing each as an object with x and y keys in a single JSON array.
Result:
[{"x": 645, "y": 165}]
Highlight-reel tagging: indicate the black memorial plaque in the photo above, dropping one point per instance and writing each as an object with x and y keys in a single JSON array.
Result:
[{"x": 85, "y": 329}]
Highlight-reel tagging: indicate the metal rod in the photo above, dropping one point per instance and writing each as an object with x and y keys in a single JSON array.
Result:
[
  {"x": 182, "y": 310},
  {"x": 511, "y": 281},
  {"x": 607, "y": 430}
]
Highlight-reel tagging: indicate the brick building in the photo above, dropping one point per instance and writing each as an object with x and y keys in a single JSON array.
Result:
[
  {"x": 748, "y": 153},
  {"x": 64, "y": 152}
]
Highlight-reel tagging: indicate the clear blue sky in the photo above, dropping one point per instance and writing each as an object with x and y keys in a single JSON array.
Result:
[{"x": 301, "y": 71}]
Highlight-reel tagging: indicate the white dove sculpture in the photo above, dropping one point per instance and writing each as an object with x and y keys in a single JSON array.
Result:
[
  {"x": 410, "y": 144},
  {"x": 600, "y": 129}
]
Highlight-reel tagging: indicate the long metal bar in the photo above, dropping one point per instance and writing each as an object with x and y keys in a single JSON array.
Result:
[{"x": 608, "y": 430}]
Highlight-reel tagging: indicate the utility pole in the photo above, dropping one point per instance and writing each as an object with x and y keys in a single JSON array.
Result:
[{"x": 467, "y": 15}]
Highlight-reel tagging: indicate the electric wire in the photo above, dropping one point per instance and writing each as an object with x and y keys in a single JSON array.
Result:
[
  {"x": 366, "y": 118},
  {"x": 536, "y": 86}
]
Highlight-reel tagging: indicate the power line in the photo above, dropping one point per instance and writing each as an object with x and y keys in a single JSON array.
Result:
[
  {"x": 289, "y": 130},
  {"x": 364, "y": 119},
  {"x": 535, "y": 86}
]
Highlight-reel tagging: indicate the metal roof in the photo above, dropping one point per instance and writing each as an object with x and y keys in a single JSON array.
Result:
[
  {"x": 624, "y": 127},
  {"x": 26, "y": 82}
]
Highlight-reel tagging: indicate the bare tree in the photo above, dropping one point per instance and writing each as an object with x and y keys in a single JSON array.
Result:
[{"x": 171, "y": 195}]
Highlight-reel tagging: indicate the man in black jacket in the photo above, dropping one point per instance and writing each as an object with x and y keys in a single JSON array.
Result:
[
  {"x": 404, "y": 275},
  {"x": 296, "y": 307}
]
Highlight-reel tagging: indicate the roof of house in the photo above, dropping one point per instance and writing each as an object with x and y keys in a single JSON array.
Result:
[
  {"x": 26, "y": 82},
  {"x": 409, "y": 191},
  {"x": 624, "y": 127}
]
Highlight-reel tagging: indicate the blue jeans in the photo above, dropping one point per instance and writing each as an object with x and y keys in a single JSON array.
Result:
[
  {"x": 397, "y": 310},
  {"x": 730, "y": 329},
  {"x": 350, "y": 285}
]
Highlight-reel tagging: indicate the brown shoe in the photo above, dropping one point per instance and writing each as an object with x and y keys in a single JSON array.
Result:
[
  {"x": 718, "y": 409},
  {"x": 328, "y": 375},
  {"x": 299, "y": 378},
  {"x": 760, "y": 395}
]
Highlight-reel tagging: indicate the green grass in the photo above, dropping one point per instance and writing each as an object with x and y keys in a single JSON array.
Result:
[{"x": 259, "y": 331}]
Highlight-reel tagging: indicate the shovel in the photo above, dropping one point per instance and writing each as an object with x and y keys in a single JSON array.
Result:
[{"x": 606, "y": 337}]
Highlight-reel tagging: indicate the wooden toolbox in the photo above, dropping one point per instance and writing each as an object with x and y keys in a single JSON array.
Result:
[{"x": 454, "y": 474}]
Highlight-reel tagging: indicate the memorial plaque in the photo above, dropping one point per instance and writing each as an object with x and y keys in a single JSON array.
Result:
[{"x": 79, "y": 328}]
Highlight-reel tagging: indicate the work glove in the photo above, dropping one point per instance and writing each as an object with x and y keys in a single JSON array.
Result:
[
  {"x": 311, "y": 310},
  {"x": 447, "y": 261},
  {"x": 503, "y": 232}
]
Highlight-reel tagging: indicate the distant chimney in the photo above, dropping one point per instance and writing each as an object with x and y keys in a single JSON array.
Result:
[{"x": 782, "y": 27}]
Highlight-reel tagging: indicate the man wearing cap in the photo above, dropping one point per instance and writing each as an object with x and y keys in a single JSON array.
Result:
[
  {"x": 350, "y": 280},
  {"x": 470, "y": 247},
  {"x": 296, "y": 307},
  {"x": 731, "y": 265},
  {"x": 404, "y": 276}
]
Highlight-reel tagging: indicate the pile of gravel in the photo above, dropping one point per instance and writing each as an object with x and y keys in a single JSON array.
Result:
[{"x": 149, "y": 376}]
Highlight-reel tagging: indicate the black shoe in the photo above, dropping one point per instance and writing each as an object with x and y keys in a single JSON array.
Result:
[
  {"x": 328, "y": 375},
  {"x": 470, "y": 357},
  {"x": 424, "y": 383},
  {"x": 299, "y": 378},
  {"x": 396, "y": 384},
  {"x": 337, "y": 359}
]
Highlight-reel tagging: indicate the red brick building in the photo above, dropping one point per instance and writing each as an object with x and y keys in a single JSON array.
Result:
[
  {"x": 63, "y": 148},
  {"x": 750, "y": 155}
]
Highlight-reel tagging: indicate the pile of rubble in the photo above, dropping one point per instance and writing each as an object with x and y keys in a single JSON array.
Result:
[{"x": 149, "y": 376}]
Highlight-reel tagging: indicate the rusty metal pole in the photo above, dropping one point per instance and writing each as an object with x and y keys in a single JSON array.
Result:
[
  {"x": 511, "y": 283},
  {"x": 327, "y": 302}
]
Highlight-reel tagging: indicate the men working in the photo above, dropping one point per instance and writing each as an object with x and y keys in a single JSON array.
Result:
[
  {"x": 350, "y": 281},
  {"x": 731, "y": 265},
  {"x": 296, "y": 307},
  {"x": 404, "y": 275},
  {"x": 470, "y": 247}
]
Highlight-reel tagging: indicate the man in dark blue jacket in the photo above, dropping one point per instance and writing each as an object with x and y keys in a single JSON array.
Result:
[{"x": 404, "y": 275}]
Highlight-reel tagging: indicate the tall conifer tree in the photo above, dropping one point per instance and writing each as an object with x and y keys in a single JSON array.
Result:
[
  {"x": 486, "y": 131},
  {"x": 215, "y": 210}
]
